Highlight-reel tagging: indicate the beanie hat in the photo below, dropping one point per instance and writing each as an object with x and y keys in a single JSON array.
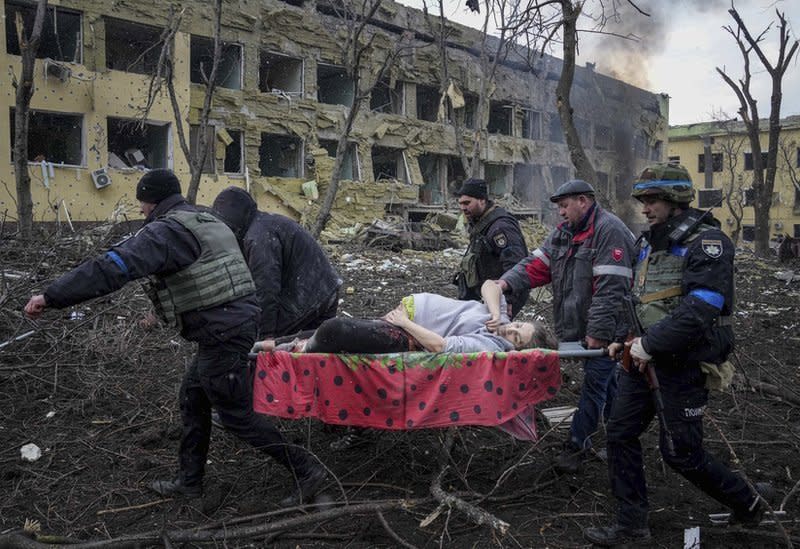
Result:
[
  {"x": 156, "y": 185},
  {"x": 475, "y": 188}
]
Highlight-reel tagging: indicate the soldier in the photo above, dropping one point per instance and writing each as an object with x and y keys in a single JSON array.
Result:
[
  {"x": 683, "y": 289},
  {"x": 587, "y": 260},
  {"x": 496, "y": 244},
  {"x": 200, "y": 283}
]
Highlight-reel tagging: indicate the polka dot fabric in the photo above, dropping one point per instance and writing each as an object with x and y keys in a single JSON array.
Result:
[{"x": 405, "y": 391}]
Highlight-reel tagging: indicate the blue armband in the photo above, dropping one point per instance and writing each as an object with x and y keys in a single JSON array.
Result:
[
  {"x": 114, "y": 256},
  {"x": 714, "y": 299}
]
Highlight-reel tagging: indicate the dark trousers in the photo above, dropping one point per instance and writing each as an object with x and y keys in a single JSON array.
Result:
[
  {"x": 220, "y": 377},
  {"x": 685, "y": 398},
  {"x": 353, "y": 335}
]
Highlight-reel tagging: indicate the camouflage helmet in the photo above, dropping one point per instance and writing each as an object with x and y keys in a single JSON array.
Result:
[{"x": 670, "y": 182}]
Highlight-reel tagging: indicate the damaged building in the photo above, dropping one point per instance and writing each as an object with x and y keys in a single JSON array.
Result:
[{"x": 282, "y": 98}]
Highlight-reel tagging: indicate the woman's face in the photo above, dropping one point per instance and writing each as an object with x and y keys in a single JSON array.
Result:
[{"x": 518, "y": 333}]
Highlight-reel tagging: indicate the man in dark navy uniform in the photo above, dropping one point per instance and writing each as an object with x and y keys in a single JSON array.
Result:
[
  {"x": 199, "y": 282},
  {"x": 496, "y": 244}
]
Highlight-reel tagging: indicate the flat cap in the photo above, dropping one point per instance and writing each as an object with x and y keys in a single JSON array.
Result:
[{"x": 571, "y": 188}]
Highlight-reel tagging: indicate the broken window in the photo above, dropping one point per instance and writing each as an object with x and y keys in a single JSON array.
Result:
[
  {"x": 280, "y": 73},
  {"x": 350, "y": 168},
  {"x": 470, "y": 110},
  {"x": 748, "y": 233},
  {"x": 500, "y": 118},
  {"x": 455, "y": 174},
  {"x": 497, "y": 178},
  {"x": 388, "y": 163},
  {"x": 709, "y": 198},
  {"x": 527, "y": 180},
  {"x": 748, "y": 160},
  {"x": 716, "y": 162},
  {"x": 61, "y": 31},
  {"x": 427, "y": 103},
  {"x": 674, "y": 159},
  {"x": 132, "y": 47},
  {"x": 280, "y": 155},
  {"x": 555, "y": 133},
  {"x": 229, "y": 68},
  {"x": 133, "y": 145},
  {"x": 230, "y": 141},
  {"x": 602, "y": 137},
  {"x": 531, "y": 124},
  {"x": 387, "y": 99},
  {"x": 749, "y": 197},
  {"x": 430, "y": 165},
  {"x": 334, "y": 86},
  {"x": 52, "y": 137}
]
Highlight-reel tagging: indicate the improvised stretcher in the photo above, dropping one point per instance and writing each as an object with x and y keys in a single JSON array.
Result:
[{"x": 417, "y": 390}]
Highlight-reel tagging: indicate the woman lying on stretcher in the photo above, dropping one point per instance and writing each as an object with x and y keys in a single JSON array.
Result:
[{"x": 425, "y": 322}]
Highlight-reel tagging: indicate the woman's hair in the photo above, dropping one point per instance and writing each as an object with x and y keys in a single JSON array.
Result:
[{"x": 542, "y": 338}]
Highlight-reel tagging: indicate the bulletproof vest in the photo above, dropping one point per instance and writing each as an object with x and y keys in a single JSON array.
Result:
[
  {"x": 218, "y": 276},
  {"x": 657, "y": 283},
  {"x": 478, "y": 264}
]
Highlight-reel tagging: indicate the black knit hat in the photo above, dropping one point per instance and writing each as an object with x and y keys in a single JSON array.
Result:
[
  {"x": 156, "y": 185},
  {"x": 475, "y": 188},
  {"x": 236, "y": 208}
]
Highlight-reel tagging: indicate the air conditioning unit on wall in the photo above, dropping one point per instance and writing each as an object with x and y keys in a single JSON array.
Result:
[{"x": 101, "y": 178}]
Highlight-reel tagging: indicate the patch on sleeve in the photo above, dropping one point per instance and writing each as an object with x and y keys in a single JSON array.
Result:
[
  {"x": 712, "y": 248},
  {"x": 617, "y": 254},
  {"x": 501, "y": 240}
]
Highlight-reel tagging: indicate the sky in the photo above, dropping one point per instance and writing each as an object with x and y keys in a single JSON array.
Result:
[{"x": 678, "y": 50}]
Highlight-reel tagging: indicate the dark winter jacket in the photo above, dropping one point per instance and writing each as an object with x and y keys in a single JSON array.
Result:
[
  {"x": 693, "y": 323},
  {"x": 590, "y": 269},
  {"x": 293, "y": 276},
  {"x": 161, "y": 247}
]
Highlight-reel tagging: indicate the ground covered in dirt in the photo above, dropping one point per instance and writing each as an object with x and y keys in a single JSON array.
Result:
[{"x": 97, "y": 395}]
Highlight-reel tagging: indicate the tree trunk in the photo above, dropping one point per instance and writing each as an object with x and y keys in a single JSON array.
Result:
[{"x": 28, "y": 47}]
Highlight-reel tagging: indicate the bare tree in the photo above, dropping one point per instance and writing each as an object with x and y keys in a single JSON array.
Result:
[
  {"x": 164, "y": 78},
  {"x": 357, "y": 53},
  {"x": 731, "y": 145},
  {"x": 763, "y": 175},
  {"x": 28, "y": 46}
]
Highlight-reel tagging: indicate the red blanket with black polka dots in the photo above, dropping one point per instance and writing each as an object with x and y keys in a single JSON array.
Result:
[{"x": 408, "y": 390}]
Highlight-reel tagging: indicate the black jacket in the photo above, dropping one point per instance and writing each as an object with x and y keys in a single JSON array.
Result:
[
  {"x": 160, "y": 247},
  {"x": 293, "y": 276}
]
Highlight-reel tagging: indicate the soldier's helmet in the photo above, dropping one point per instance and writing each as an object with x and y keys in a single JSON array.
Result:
[{"x": 670, "y": 182}]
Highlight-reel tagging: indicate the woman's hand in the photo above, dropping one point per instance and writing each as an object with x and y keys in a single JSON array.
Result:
[
  {"x": 493, "y": 323},
  {"x": 397, "y": 316}
]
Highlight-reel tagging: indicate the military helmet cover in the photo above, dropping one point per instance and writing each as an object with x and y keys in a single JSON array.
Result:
[{"x": 669, "y": 182}]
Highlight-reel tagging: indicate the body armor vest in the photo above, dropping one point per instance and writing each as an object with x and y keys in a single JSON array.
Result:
[
  {"x": 218, "y": 276},
  {"x": 473, "y": 265},
  {"x": 657, "y": 283}
]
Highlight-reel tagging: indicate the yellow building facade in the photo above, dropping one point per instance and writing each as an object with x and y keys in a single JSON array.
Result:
[{"x": 724, "y": 183}]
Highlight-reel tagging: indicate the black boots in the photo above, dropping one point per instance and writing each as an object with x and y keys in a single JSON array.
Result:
[
  {"x": 570, "y": 459},
  {"x": 306, "y": 487},
  {"x": 609, "y": 536},
  {"x": 176, "y": 488}
]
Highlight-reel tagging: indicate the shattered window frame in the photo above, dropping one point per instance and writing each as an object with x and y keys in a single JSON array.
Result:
[
  {"x": 501, "y": 118},
  {"x": 400, "y": 162},
  {"x": 427, "y": 102},
  {"x": 237, "y": 136},
  {"x": 157, "y": 153},
  {"x": 495, "y": 174},
  {"x": 531, "y": 124},
  {"x": 201, "y": 50},
  {"x": 351, "y": 158},
  {"x": 432, "y": 166},
  {"x": 49, "y": 46},
  {"x": 344, "y": 94},
  {"x": 210, "y": 165},
  {"x": 284, "y": 64},
  {"x": 137, "y": 51},
  {"x": 57, "y": 142},
  {"x": 276, "y": 144},
  {"x": 392, "y": 100},
  {"x": 454, "y": 173}
]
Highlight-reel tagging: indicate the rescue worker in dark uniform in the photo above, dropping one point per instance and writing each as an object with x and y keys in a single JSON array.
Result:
[
  {"x": 496, "y": 244},
  {"x": 684, "y": 294},
  {"x": 588, "y": 261},
  {"x": 200, "y": 283},
  {"x": 296, "y": 285}
]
